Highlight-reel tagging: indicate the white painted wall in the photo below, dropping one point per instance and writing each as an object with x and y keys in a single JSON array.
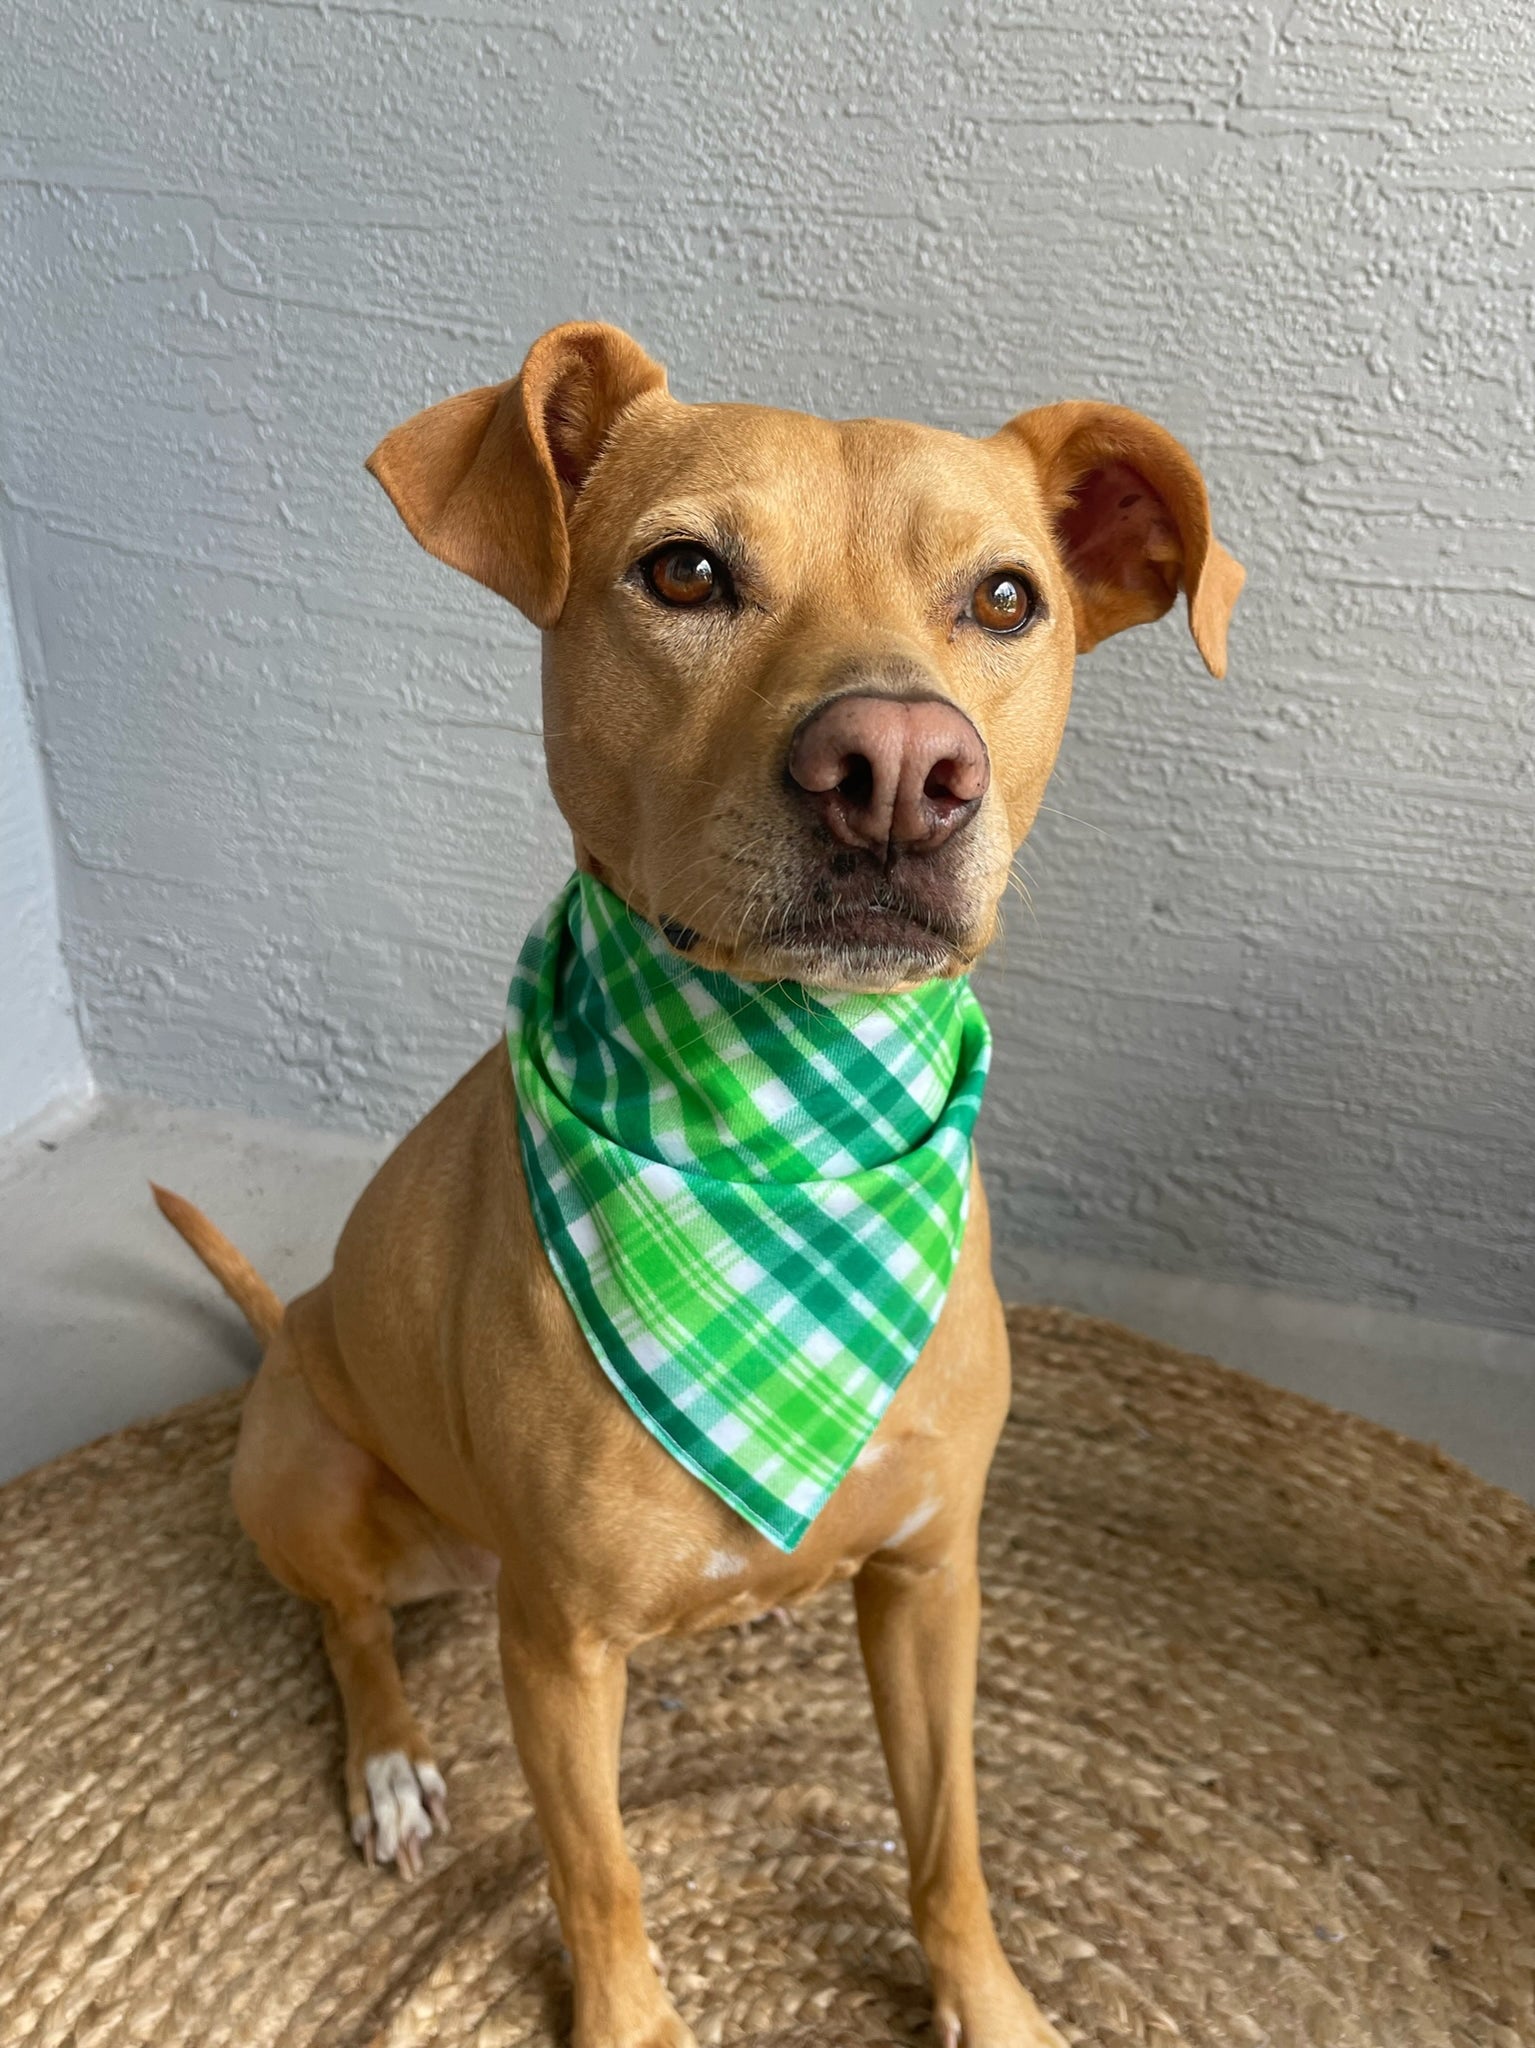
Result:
[
  {"x": 41, "y": 1060},
  {"x": 1270, "y": 1017}
]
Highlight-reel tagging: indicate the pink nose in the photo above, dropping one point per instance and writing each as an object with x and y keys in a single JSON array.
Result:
[{"x": 891, "y": 774}]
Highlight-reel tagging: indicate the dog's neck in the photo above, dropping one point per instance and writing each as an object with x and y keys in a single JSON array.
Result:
[
  {"x": 704, "y": 953},
  {"x": 735, "y": 1076}
]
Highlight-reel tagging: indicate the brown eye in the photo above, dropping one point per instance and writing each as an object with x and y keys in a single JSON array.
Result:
[
  {"x": 1005, "y": 602},
  {"x": 685, "y": 574}
]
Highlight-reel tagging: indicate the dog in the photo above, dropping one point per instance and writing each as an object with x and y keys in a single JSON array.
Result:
[{"x": 804, "y": 683}]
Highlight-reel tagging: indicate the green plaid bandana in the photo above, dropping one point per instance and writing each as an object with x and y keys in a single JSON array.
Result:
[{"x": 752, "y": 1196}]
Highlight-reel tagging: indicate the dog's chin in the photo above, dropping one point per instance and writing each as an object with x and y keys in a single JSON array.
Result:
[
  {"x": 863, "y": 951},
  {"x": 868, "y": 932}
]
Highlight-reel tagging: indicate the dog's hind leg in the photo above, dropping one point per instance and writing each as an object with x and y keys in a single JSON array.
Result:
[
  {"x": 335, "y": 1526},
  {"x": 396, "y": 1796}
]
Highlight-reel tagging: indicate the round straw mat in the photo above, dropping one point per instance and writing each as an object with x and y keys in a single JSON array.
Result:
[{"x": 1255, "y": 1741}]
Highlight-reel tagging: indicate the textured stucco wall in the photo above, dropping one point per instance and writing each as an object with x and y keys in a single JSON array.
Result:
[
  {"x": 41, "y": 1058},
  {"x": 1270, "y": 1015}
]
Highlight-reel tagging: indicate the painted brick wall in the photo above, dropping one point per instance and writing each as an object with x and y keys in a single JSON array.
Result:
[{"x": 1270, "y": 1015}]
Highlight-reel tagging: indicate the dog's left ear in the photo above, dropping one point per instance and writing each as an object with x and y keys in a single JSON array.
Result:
[
  {"x": 484, "y": 481},
  {"x": 1132, "y": 522}
]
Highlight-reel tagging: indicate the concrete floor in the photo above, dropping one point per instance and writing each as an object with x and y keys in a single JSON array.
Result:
[{"x": 106, "y": 1317}]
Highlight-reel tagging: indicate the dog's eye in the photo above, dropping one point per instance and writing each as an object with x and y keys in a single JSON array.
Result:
[
  {"x": 685, "y": 574},
  {"x": 1004, "y": 602}
]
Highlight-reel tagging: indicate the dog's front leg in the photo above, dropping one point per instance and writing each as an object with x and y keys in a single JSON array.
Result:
[
  {"x": 566, "y": 1696},
  {"x": 919, "y": 1627}
]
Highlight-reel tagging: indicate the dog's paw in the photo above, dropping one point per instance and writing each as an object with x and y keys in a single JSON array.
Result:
[
  {"x": 951, "y": 2032},
  {"x": 664, "y": 2030},
  {"x": 405, "y": 1805},
  {"x": 994, "y": 2012}
]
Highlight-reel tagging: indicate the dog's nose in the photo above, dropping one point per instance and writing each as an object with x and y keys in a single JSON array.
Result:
[{"x": 891, "y": 774}]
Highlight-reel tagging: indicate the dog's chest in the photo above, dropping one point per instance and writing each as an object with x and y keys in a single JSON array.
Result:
[{"x": 896, "y": 1489}]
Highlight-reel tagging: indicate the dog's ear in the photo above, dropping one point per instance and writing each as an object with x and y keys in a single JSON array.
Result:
[
  {"x": 484, "y": 480},
  {"x": 1132, "y": 522}
]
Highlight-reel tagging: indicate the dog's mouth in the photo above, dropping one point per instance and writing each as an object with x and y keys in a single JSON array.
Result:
[
  {"x": 868, "y": 943},
  {"x": 872, "y": 938}
]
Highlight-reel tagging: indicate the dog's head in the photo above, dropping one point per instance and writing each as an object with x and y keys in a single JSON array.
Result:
[{"x": 804, "y": 679}]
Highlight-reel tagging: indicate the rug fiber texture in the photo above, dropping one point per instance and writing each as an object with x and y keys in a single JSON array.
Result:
[{"x": 1255, "y": 1734}]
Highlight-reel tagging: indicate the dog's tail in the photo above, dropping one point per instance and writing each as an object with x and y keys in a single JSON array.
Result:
[{"x": 232, "y": 1270}]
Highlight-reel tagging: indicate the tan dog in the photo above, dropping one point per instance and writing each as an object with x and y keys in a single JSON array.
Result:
[{"x": 804, "y": 682}]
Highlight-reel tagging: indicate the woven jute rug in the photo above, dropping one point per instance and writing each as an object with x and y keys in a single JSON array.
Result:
[{"x": 1256, "y": 1737}]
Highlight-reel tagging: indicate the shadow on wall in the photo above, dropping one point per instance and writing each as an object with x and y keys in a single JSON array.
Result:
[{"x": 41, "y": 1059}]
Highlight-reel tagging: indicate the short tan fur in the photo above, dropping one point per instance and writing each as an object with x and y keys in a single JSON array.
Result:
[{"x": 430, "y": 1415}]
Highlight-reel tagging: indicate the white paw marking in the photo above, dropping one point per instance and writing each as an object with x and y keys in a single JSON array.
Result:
[
  {"x": 917, "y": 1520},
  {"x": 403, "y": 1800},
  {"x": 723, "y": 1564}
]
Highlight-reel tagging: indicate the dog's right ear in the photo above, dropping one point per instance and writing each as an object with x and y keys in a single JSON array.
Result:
[{"x": 484, "y": 481}]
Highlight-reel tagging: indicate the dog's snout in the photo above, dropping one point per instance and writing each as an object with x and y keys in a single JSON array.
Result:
[{"x": 891, "y": 774}]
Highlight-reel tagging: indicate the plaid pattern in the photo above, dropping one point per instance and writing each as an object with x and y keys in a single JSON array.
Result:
[{"x": 752, "y": 1196}]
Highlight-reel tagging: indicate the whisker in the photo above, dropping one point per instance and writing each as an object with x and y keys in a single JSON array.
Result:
[{"x": 1102, "y": 834}]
